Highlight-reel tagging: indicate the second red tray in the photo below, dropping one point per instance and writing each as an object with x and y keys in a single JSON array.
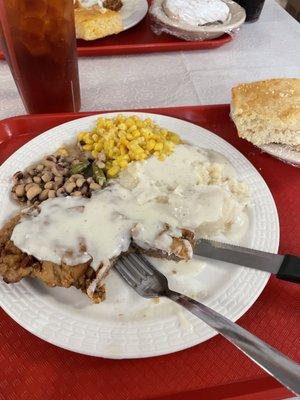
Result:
[{"x": 141, "y": 39}]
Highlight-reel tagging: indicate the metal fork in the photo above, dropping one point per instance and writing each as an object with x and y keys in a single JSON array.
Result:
[{"x": 141, "y": 275}]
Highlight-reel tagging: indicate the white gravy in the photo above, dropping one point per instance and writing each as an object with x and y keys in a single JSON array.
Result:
[{"x": 192, "y": 189}]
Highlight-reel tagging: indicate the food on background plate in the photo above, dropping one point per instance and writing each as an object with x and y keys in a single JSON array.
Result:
[
  {"x": 95, "y": 19},
  {"x": 268, "y": 112},
  {"x": 156, "y": 205},
  {"x": 195, "y": 19},
  {"x": 196, "y": 12}
]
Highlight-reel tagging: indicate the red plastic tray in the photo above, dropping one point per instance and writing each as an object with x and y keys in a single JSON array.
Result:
[
  {"x": 33, "y": 369},
  {"x": 141, "y": 39}
]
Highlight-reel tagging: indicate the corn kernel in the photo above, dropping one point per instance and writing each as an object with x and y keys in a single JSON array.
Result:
[
  {"x": 158, "y": 146},
  {"x": 122, "y": 134},
  {"x": 162, "y": 157},
  {"x": 87, "y": 147},
  {"x": 123, "y": 164},
  {"x": 129, "y": 122},
  {"x": 98, "y": 146},
  {"x": 136, "y": 133},
  {"x": 80, "y": 136},
  {"x": 95, "y": 137},
  {"x": 94, "y": 154},
  {"x": 113, "y": 171},
  {"x": 63, "y": 152},
  {"x": 132, "y": 128},
  {"x": 122, "y": 126},
  {"x": 120, "y": 118},
  {"x": 150, "y": 145}
]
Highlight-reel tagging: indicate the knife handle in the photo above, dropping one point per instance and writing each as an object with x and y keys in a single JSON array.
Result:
[{"x": 290, "y": 269}]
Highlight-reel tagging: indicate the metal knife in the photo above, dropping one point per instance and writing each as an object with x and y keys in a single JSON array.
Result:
[{"x": 286, "y": 267}]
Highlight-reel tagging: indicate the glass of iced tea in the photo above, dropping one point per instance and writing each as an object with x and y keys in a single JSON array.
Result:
[{"x": 38, "y": 40}]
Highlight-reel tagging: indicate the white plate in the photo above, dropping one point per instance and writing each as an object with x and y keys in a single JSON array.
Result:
[
  {"x": 284, "y": 153},
  {"x": 235, "y": 19},
  {"x": 133, "y": 11},
  {"x": 126, "y": 325}
]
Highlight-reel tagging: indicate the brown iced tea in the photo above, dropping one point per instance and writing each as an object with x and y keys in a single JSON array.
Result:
[{"x": 38, "y": 39}]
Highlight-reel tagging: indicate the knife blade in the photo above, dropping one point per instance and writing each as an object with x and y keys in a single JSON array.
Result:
[{"x": 286, "y": 267}]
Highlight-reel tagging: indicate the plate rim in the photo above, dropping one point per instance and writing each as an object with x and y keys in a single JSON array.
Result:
[
  {"x": 141, "y": 14},
  {"x": 265, "y": 276},
  {"x": 281, "y": 152}
]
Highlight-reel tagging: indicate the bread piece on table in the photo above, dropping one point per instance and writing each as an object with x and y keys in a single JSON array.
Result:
[
  {"x": 268, "y": 111},
  {"x": 92, "y": 24}
]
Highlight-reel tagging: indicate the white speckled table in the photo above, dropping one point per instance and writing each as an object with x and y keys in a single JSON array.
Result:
[{"x": 265, "y": 49}]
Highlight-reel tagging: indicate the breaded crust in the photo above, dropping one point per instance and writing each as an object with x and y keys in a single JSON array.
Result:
[{"x": 16, "y": 265}]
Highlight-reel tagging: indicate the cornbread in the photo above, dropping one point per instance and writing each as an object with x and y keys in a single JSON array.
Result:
[
  {"x": 125, "y": 139},
  {"x": 268, "y": 111},
  {"x": 91, "y": 24}
]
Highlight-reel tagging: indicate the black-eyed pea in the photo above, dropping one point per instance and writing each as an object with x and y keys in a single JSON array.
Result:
[
  {"x": 33, "y": 191},
  {"x": 94, "y": 186},
  {"x": 80, "y": 182},
  {"x": 71, "y": 179},
  {"x": 49, "y": 185},
  {"x": 69, "y": 186},
  {"x": 61, "y": 192},
  {"x": 100, "y": 164},
  {"x": 44, "y": 195},
  {"x": 40, "y": 167},
  {"x": 47, "y": 177},
  {"x": 59, "y": 179},
  {"x": 48, "y": 163},
  {"x": 77, "y": 176},
  {"x": 19, "y": 190},
  {"x": 51, "y": 194},
  {"x": 31, "y": 171},
  {"x": 17, "y": 176},
  {"x": 57, "y": 185},
  {"x": 37, "y": 179},
  {"x": 58, "y": 170},
  {"x": 29, "y": 185}
]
